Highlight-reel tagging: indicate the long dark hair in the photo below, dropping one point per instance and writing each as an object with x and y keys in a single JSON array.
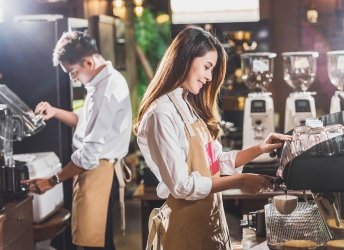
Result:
[{"x": 174, "y": 68}]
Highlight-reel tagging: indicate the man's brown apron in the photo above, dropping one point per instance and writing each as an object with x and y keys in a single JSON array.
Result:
[
  {"x": 91, "y": 193},
  {"x": 200, "y": 224}
]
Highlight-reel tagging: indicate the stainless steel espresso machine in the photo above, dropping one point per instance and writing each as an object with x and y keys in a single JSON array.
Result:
[
  {"x": 16, "y": 122},
  {"x": 313, "y": 161}
]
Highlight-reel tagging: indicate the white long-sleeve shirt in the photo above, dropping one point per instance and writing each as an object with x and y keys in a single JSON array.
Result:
[
  {"x": 105, "y": 122},
  {"x": 164, "y": 145}
]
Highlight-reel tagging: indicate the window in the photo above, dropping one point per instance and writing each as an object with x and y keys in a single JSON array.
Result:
[{"x": 214, "y": 11}]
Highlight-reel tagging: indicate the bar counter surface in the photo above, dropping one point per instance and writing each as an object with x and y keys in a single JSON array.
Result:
[
  {"x": 261, "y": 246},
  {"x": 149, "y": 200}
]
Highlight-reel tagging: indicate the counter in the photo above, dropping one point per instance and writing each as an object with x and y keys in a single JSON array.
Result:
[
  {"x": 261, "y": 246},
  {"x": 18, "y": 225},
  {"x": 149, "y": 200}
]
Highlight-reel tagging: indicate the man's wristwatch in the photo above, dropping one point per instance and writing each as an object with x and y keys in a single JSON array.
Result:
[{"x": 55, "y": 179}]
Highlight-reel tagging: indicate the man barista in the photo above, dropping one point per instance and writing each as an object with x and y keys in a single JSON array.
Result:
[{"x": 102, "y": 135}]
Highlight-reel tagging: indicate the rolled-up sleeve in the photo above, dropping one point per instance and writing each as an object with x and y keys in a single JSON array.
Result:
[
  {"x": 226, "y": 159},
  {"x": 103, "y": 116},
  {"x": 166, "y": 154}
]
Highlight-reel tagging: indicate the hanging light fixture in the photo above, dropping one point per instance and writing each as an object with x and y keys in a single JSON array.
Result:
[
  {"x": 162, "y": 18},
  {"x": 312, "y": 14},
  {"x": 119, "y": 8},
  {"x": 138, "y": 7},
  {"x": 138, "y": 2}
]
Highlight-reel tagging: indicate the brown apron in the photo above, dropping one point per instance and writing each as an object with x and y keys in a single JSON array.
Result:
[
  {"x": 91, "y": 193},
  {"x": 200, "y": 224}
]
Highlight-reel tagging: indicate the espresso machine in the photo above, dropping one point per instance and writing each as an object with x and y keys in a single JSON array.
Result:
[
  {"x": 257, "y": 73},
  {"x": 16, "y": 122},
  {"x": 335, "y": 69},
  {"x": 319, "y": 169},
  {"x": 299, "y": 73}
]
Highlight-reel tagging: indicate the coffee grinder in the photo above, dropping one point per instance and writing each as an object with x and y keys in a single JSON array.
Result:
[
  {"x": 16, "y": 122},
  {"x": 257, "y": 73},
  {"x": 335, "y": 69},
  {"x": 13, "y": 172},
  {"x": 299, "y": 73}
]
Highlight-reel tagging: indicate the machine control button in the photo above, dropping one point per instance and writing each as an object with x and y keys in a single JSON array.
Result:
[{"x": 258, "y": 122}]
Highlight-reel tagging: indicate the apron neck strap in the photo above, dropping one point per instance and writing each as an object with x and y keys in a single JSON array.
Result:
[{"x": 182, "y": 113}]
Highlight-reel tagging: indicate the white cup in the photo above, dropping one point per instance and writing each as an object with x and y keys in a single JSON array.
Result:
[{"x": 285, "y": 204}]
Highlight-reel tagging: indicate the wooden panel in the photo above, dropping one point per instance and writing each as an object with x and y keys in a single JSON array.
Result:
[
  {"x": 17, "y": 228},
  {"x": 17, "y": 221},
  {"x": 23, "y": 241},
  {"x": 2, "y": 219}
]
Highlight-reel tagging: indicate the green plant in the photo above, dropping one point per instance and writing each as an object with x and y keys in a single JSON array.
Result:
[{"x": 153, "y": 38}]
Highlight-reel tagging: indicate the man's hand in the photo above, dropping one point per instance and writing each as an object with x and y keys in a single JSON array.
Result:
[
  {"x": 40, "y": 185},
  {"x": 274, "y": 141},
  {"x": 46, "y": 110}
]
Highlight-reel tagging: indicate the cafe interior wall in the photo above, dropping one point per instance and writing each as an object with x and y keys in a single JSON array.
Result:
[
  {"x": 288, "y": 30},
  {"x": 291, "y": 31}
]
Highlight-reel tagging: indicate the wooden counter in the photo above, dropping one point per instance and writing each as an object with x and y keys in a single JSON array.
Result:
[
  {"x": 261, "y": 246},
  {"x": 150, "y": 200},
  {"x": 18, "y": 225},
  {"x": 2, "y": 219}
]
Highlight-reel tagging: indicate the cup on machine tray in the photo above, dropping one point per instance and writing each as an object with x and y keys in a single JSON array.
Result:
[
  {"x": 299, "y": 139},
  {"x": 285, "y": 204},
  {"x": 318, "y": 142},
  {"x": 335, "y": 133}
]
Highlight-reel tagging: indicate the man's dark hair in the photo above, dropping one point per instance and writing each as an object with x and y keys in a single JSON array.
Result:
[{"x": 73, "y": 47}]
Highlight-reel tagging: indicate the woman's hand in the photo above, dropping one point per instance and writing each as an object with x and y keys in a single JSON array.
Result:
[
  {"x": 254, "y": 183},
  {"x": 274, "y": 141},
  {"x": 46, "y": 110},
  {"x": 40, "y": 185}
]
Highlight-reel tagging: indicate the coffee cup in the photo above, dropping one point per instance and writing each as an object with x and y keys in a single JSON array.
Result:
[
  {"x": 259, "y": 226},
  {"x": 285, "y": 204}
]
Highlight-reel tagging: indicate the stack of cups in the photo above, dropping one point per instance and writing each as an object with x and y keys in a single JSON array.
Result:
[{"x": 320, "y": 140}]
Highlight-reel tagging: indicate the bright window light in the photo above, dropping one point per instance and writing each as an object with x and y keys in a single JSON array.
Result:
[
  {"x": 1, "y": 14},
  {"x": 214, "y": 11},
  {"x": 2, "y": 8}
]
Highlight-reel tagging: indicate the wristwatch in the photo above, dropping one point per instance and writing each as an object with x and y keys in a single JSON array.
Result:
[{"x": 55, "y": 179}]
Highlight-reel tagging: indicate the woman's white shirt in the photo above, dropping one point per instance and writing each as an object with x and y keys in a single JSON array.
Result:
[{"x": 164, "y": 145}]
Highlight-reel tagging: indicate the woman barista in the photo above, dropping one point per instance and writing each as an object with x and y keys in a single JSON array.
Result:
[{"x": 177, "y": 127}]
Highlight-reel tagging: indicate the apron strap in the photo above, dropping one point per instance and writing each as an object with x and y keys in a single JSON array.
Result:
[
  {"x": 182, "y": 113},
  {"x": 154, "y": 230},
  {"x": 199, "y": 118},
  {"x": 123, "y": 173}
]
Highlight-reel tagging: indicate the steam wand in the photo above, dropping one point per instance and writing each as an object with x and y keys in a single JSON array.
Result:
[{"x": 341, "y": 98}]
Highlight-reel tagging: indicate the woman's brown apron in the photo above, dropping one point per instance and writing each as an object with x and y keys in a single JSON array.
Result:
[
  {"x": 91, "y": 192},
  {"x": 199, "y": 224}
]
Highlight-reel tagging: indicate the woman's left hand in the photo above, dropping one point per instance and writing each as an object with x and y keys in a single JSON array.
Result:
[{"x": 274, "y": 141}]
